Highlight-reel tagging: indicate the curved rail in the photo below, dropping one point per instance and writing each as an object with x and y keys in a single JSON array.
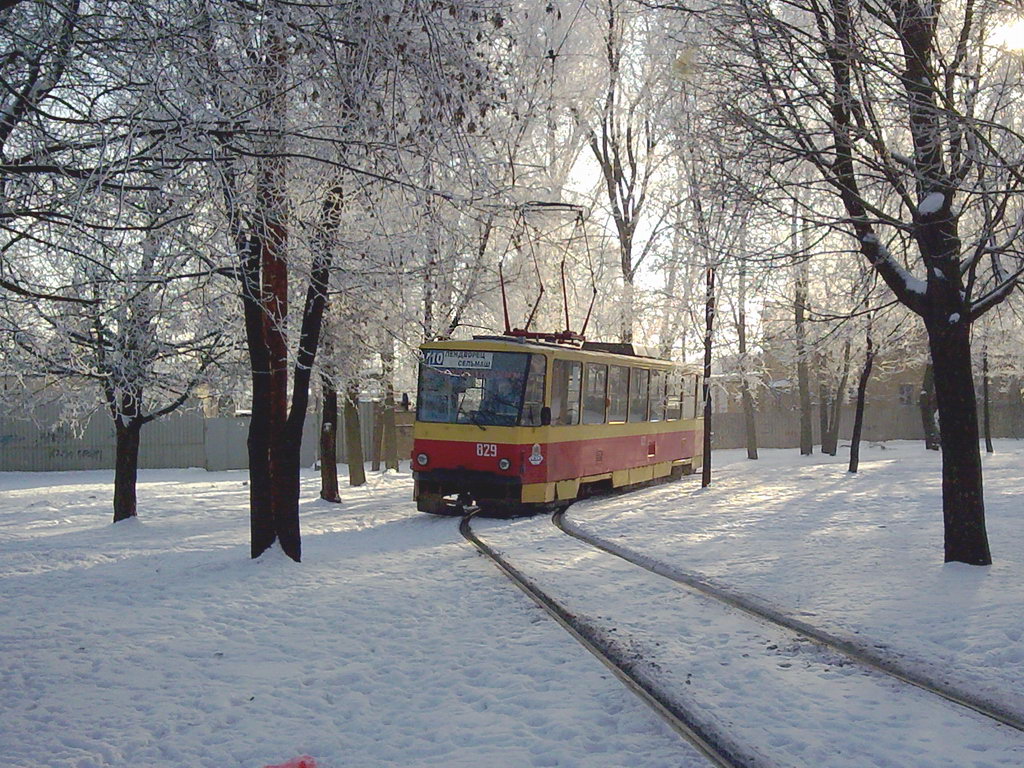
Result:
[
  {"x": 851, "y": 650},
  {"x": 715, "y": 746}
]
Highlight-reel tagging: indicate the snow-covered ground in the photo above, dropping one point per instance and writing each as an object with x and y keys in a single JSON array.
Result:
[
  {"x": 855, "y": 554},
  {"x": 157, "y": 642}
]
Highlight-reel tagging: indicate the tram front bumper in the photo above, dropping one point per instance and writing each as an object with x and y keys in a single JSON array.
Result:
[{"x": 445, "y": 491}]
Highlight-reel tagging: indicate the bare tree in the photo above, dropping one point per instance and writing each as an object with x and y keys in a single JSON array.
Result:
[
  {"x": 105, "y": 281},
  {"x": 898, "y": 106},
  {"x": 376, "y": 104},
  {"x": 625, "y": 133},
  {"x": 148, "y": 328}
]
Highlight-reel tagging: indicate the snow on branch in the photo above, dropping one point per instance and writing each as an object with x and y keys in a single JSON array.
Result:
[
  {"x": 908, "y": 288},
  {"x": 931, "y": 204}
]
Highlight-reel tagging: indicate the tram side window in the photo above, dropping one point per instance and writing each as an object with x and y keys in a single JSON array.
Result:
[
  {"x": 673, "y": 396},
  {"x": 533, "y": 398},
  {"x": 594, "y": 394},
  {"x": 689, "y": 397},
  {"x": 657, "y": 396},
  {"x": 566, "y": 383},
  {"x": 638, "y": 394},
  {"x": 618, "y": 392}
]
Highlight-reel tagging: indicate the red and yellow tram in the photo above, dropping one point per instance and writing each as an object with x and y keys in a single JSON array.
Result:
[{"x": 513, "y": 425}]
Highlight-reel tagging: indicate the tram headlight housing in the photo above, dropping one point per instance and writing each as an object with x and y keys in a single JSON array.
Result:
[
  {"x": 504, "y": 464},
  {"x": 422, "y": 459}
]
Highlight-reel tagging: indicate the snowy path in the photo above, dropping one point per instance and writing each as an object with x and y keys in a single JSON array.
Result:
[
  {"x": 158, "y": 643},
  {"x": 791, "y": 702}
]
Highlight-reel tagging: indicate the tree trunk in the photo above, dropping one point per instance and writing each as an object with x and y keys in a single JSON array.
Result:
[
  {"x": 963, "y": 501},
  {"x": 802, "y": 375},
  {"x": 286, "y": 490},
  {"x": 858, "y": 417},
  {"x": 626, "y": 308},
  {"x": 824, "y": 401},
  {"x": 353, "y": 436},
  {"x": 428, "y": 297},
  {"x": 830, "y": 442},
  {"x": 985, "y": 404},
  {"x": 749, "y": 424},
  {"x": 261, "y": 515},
  {"x": 329, "y": 443},
  {"x": 378, "y": 436},
  {"x": 749, "y": 420},
  {"x": 275, "y": 431},
  {"x": 126, "y": 467},
  {"x": 283, "y": 459},
  {"x": 389, "y": 441},
  {"x": 667, "y": 334},
  {"x": 389, "y": 444},
  {"x": 709, "y": 327},
  {"x": 274, "y": 517},
  {"x": 932, "y": 436}
]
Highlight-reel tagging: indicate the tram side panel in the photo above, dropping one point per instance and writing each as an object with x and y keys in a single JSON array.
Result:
[
  {"x": 504, "y": 466},
  {"x": 544, "y": 464},
  {"x": 619, "y": 454}
]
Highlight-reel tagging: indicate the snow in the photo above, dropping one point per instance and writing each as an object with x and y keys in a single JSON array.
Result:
[
  {"x": 931, "y": 204},
  {"x": 158, "y": 642},
  {"x": 855, "y": 554},
  {"x": 913, "y": 284},
  {"x": 713, "y": 658}
]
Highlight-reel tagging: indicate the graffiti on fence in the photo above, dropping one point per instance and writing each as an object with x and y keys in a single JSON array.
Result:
[{"x": 74, "y": 453}]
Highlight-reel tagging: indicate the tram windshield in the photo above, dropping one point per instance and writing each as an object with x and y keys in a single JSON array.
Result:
[{"x": 483, "y": 388}]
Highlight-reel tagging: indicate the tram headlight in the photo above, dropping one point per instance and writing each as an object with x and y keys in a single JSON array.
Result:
[
  {"x": 422, "y": 459},
  {"x": 504, "y": 464}
]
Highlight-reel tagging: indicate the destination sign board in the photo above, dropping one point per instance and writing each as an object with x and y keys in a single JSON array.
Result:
[{"x": 458, "y": 358}]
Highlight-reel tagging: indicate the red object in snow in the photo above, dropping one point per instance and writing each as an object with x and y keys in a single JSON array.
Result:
[{"x": 298, "y": 762}]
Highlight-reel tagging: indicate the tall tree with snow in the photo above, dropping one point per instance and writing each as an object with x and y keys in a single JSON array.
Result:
[
  {"x": 900, "y": 107},
  {"x": 107, "y": 298},
  {"x": 626, "y": 130},
  {"x": 304, "y": 102}
]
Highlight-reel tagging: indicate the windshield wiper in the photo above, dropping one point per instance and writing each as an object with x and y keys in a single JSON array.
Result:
[{"x": 471, "y": 415}]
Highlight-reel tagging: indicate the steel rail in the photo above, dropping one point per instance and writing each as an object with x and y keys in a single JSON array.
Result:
[
  {"x": 715, "y": 746},
  {"x": 854, "y": 651}
]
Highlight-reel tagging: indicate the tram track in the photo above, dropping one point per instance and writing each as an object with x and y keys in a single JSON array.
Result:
[
  {"x": 784, "y": 684},
  {"x": 857, "y": 653},
  {"x": 716, "y": 746}
]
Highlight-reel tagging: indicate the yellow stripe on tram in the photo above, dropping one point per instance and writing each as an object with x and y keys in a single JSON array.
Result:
[{"x": 468, "y": 433}]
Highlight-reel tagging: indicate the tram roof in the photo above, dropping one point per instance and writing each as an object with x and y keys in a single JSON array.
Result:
[{"x": 603, "y": 347}]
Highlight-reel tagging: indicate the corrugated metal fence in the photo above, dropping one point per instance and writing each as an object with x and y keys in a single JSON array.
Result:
[
  {"x": 190, "y": 440},
  {"x": 780, "y": 428},
  {"x": 186, "y": 439}
]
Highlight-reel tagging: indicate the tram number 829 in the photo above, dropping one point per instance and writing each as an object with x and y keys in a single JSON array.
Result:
[{"x": 486, "y": 449}]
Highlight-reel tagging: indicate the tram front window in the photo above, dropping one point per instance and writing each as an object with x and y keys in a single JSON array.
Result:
[{"x": 471, "y": 387}]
